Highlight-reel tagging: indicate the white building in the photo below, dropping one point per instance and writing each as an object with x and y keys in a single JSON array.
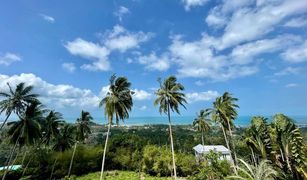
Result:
[{"x": 201, "y": 150}]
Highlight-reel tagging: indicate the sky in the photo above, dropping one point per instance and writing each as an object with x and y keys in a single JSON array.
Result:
[{"x": 254, "y": 49}]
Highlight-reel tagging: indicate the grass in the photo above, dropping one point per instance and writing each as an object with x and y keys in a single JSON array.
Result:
[{"x": 121, "y": 175}]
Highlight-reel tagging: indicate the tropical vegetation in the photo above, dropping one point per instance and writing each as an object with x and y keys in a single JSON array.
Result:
[{"x": 47, "y": 147}]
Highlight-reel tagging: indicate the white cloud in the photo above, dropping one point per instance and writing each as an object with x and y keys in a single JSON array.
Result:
[
  {"x": 249, "y": 24},
  {"x": 86, "y": 49},
  {"x": 198, "y": 59},
  {"x": 143, "y": 108},
  {"x": 62, "y": 95},
  {"x": 141, "y": 95},
  {"x": 100, "y": 65},
  {"x": 201, "y": 96},
  {"x": 9, "y": 58},
  {"x": 296, "y": 22},
  {"x": 122, "y": 10},
  {"x": 104, "y": 90},
  {"x": 296, "y": 54},
  {"x": 89, "y": 50},
  {"x": 245, "y": 53},
  {"x": 152, "y": 62},
  {"x": 215, "y": 18},
  {"x": 291, "y": 85},
  {"x": 55, "y": 96},
  {"x": 120, "y": 39},
  {"x": 47, "y": 18},
  {"x": 199, "y": 83},
  {"x": 288, "y": 71},
  {"x": 229, "y": 6},
  {"x": 69, "y": 67},
  {"x": 116, "y": 39},
  {"x": 190, "y": 3}
]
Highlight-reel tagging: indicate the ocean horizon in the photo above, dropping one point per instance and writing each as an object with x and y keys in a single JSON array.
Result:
[{"x": 241, "y": 121}]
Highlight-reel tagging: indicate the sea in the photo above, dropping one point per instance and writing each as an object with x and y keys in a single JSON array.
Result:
[{"x": 241, "y": 121}]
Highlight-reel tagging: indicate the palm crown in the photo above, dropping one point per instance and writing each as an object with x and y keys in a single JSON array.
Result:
[
  {"x": 27, "y": 129},
  {"x": 118, "y": 101},
  {"x": 169, "y": 95},
  {"x": 15, "y": 101},
  {"x": 202, "y": 122},
  {"x": 83, "y": 125}
]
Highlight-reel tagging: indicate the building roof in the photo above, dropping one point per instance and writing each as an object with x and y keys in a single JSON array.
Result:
[
  {"x": 206, "y": 149},
  {"x": 13, "y": 167}
]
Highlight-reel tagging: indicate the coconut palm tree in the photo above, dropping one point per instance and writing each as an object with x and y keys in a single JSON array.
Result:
[
  {"x": 26, "y": 131},
  {"x": 202, "y": 123},
  {"x": 263, "y": 171},
  {"x": 15, "y": 101},
  {"x": 224, "y": 111},
  {"x": 83, "y": 126},
  {"x": 65, "y": 139},
  {"x": 117, "y": 103},
  {"x": 82, "y": 131},
  {"x": 170, "y": 97},
  {"x": 50, "y": 126}
]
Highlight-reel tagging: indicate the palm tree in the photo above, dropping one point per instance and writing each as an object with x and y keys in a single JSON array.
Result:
[
  {"x": 16, "y": 100},
  {"x": 82, "y": 131},
  {"x": 65, "y": 139},
  {"x": 224, "y": 111},
  {"x": 27, "y": 130},
  {"x": 202, "y": 123},
  {"x": 83, "y": 126},
  {"x": 170, "y": 97},
  {"x": 118, "y": 103},
  {"x": 50, "y": 126},
  {"x": 264, "y": 171}
]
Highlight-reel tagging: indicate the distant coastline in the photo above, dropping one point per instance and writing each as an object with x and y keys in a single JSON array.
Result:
[{"x": 241, "y": 121}]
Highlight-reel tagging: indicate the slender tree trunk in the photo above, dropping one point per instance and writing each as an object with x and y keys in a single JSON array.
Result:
[
  {"x": 227, "y": 144},
  {"x": 23, "y": 158},
  {"x": 7, "y": 117},
  {"x": 72, "y": 159},
  {"x": 14, "y": 160},
  {"x": 232, "y": 143},
  {"x": 203, "y": 142},
  {"x": 53, "y": 168},
  {"x": 253, "y": 156},
  {"x": 104, "y": 151},
  {"x": 202, "y": 138},
  {"x": 10, "y": 158},
  {"x": 24, "y": 171},
  {"x": 172, "y": 143}
]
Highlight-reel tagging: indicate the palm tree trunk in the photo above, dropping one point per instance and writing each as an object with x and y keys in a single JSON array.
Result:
[
  {"x": 53, "y": 168},
  {"x": 104, "y": 151},
  {"x": 172, "y": 143},
  {"x": 10, "y": 157},
  {"x": 24, "y": 171},
  {"x": 72, "y": 159},
  {"x": 23, "y": 158},
  {"x": 202, "y": 138},
  {"x": 227, "y": 144},
  {"x": 7, "y": 117},
  {"x": 232, "y": 143},
  {"x": 14, "y": 160}
]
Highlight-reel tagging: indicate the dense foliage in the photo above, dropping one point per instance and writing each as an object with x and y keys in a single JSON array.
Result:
[{"x": 49, "y": 148}]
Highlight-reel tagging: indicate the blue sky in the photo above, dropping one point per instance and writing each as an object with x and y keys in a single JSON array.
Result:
[{"x": 257, "y": 50}]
